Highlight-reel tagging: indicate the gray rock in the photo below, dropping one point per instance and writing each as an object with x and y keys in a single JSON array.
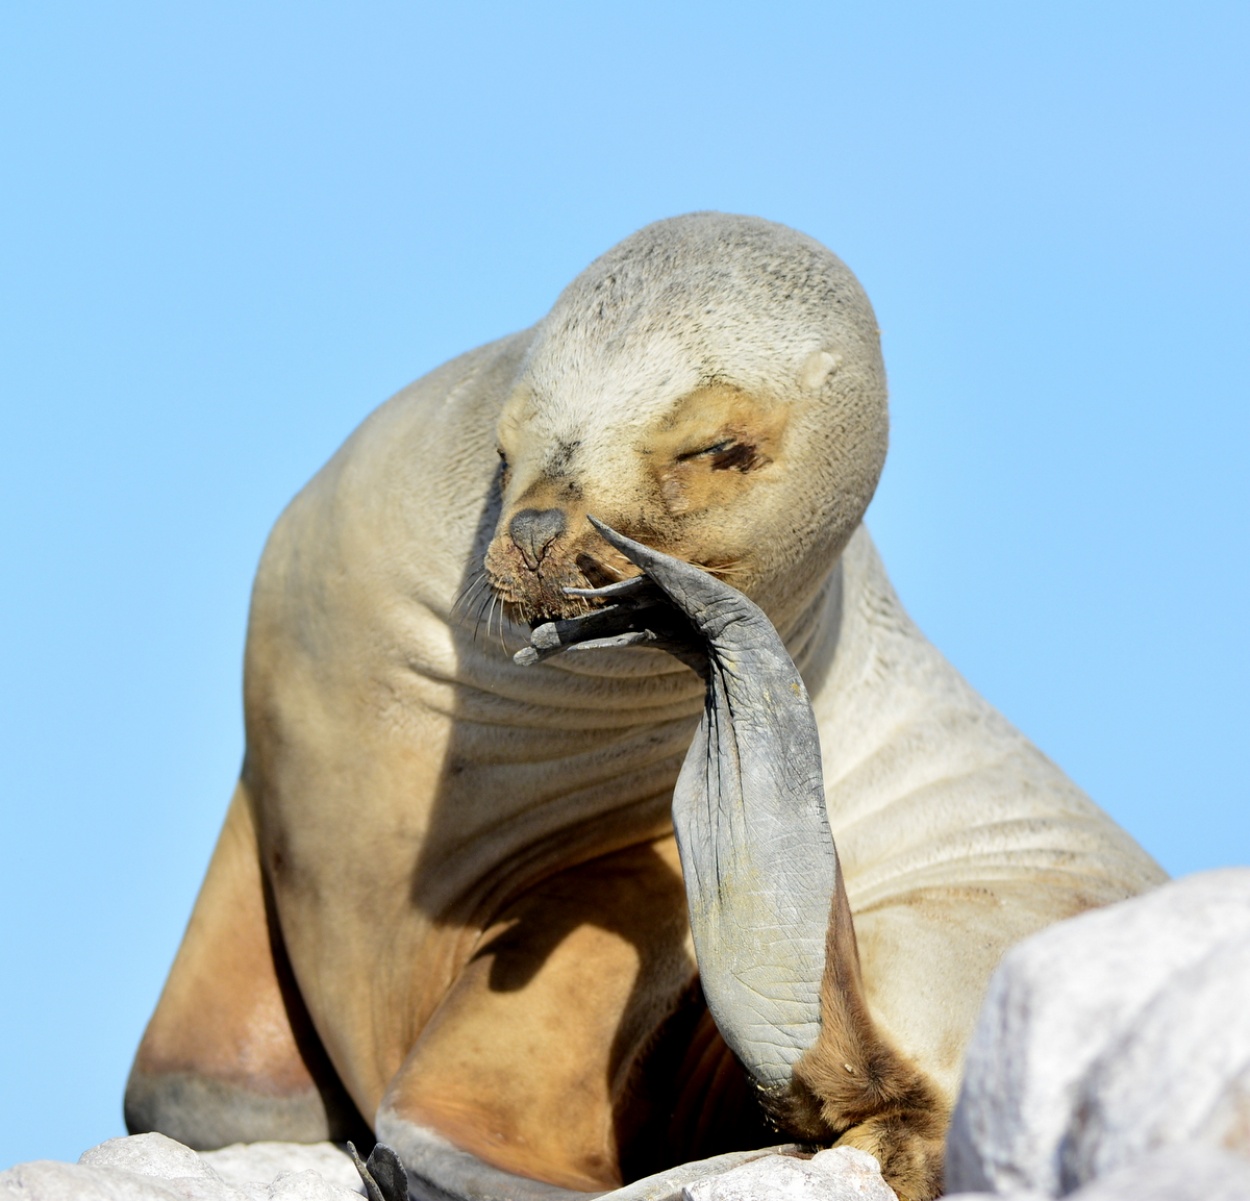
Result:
[
  {"x": 1108, "y": 1035},
  {"x": 840, "y": 1174}
]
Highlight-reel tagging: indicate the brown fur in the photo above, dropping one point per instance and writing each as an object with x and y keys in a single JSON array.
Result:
[{"x": 854, "y": 1088}]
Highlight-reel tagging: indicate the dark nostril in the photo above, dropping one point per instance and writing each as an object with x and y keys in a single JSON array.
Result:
[{"x": 533, "y": 530}]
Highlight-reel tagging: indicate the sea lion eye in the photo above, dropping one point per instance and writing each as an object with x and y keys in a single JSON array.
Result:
[
  {"x": 715, "y": 449},
  {"x": 726, "y": 455}
]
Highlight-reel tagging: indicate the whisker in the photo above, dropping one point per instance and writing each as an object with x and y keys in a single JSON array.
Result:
[
  {"x": 468, "y": 593},
  {"x": 469, "y": 586},
  {"x": 502, "y": 641},
  {"x": 723, "y": 569},
  {"x": 487, "y": 601}
]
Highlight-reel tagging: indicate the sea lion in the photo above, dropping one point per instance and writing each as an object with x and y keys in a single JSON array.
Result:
[{"x": 448, "y": 894}]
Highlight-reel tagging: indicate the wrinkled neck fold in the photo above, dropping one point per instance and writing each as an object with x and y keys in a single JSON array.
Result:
[{"x": 810, "y": 631}]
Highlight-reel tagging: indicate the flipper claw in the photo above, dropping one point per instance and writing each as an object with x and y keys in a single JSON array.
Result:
[{"x": 383, "y": 1173}]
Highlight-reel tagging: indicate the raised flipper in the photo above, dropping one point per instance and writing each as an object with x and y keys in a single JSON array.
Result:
[{"x": 772, "y": 927}]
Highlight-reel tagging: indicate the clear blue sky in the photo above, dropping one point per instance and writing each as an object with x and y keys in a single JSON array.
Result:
[{"x": 230, "y": 230}]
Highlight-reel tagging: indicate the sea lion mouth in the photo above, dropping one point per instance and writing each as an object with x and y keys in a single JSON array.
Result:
[
  {"x": 536, "y": 577},
  {"x": 545, "y": 598},
  {"x": 600, "y": 575},
  {"x": 554, "y": 588},
  {"x": 530, "y": 598}
]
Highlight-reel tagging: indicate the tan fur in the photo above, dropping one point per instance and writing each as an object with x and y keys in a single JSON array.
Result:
[
  {"x": 694, "y": 464},
  {"x": 718, "y": 436},
  {"x": 466, "y": 868}
]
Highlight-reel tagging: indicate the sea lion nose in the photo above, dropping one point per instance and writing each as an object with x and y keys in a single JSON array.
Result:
[{"x": 533, "y": 530}]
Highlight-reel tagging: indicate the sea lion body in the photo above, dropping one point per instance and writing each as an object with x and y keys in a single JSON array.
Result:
[{"x": 447, "y": 895}]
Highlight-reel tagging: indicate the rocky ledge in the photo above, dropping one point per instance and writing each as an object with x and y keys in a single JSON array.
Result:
[{"x": 1111, "y": 1062}]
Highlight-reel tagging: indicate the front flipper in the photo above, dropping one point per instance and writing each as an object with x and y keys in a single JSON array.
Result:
[
  {"x": 772, "y": 928},
  {"x": 757, "y": 855},
  {"x": 382, "y": 1174}
]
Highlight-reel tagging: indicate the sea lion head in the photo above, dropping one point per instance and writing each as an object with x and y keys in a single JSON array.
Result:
[{"x": 713, "y": 387}]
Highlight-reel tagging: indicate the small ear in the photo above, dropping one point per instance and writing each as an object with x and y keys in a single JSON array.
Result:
[{"x": 817, "y": 368}]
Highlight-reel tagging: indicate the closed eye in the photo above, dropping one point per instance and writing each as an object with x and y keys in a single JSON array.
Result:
[
  {"x": 728, "y": 455},
  {"x": 715, "y": 449}
]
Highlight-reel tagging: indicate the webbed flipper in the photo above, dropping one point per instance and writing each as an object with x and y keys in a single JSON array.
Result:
[{"x": 772, "y": 927}]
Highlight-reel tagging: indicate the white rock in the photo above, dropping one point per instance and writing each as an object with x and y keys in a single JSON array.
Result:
[
  {"x": 306, "y": 1186},
  {"x": 1012, "y": 1196},
  {"x": 1180, "y": 1073},
  {"x": 994, "y": 1196},
  {"x": 856, "y": 1173},
  {"x": 148, "y": 1155},
  {"x": 151, "y": 1167},
  {"x": 1173, "y": 1174},
  {"x": 840, "y": 1174},
  {"x": 48, "y": 1180},
  {"x": 1067, "y": 1006},
  {"x": 261, "y": 1163}
]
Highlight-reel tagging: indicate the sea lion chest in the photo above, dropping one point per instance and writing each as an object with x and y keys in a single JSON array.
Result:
[{"x": 407, "y": 778}]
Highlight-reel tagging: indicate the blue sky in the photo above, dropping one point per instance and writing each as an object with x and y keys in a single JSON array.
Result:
[{"x": 232, "y": 230}]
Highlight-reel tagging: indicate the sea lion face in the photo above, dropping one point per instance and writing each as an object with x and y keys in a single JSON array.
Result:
[
  {"x": 681, "y": 482},
  {"x": 711, "y": 387}
]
